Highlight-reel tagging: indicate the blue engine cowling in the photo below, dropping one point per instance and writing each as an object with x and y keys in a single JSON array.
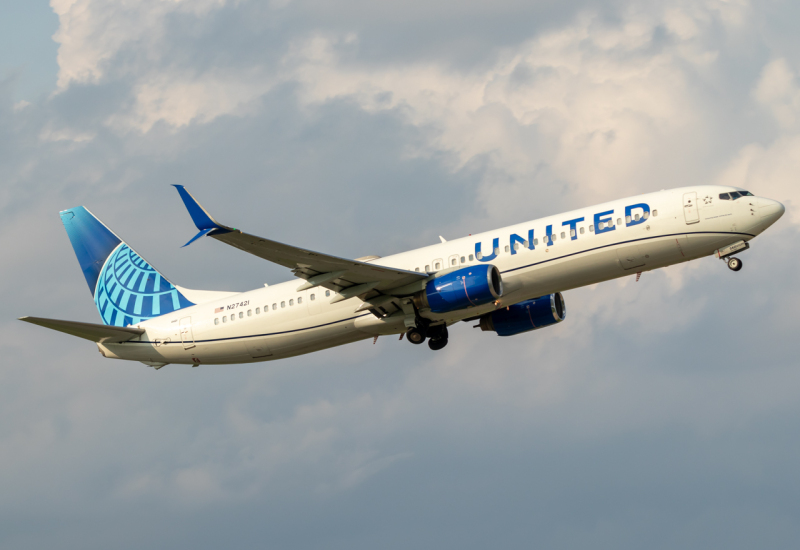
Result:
[
  {"x": 524, "y": 316},
  {"x": 466, "y": 287}
]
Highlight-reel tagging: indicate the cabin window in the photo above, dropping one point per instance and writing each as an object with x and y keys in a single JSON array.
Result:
[
  {"x": 312, "y": 297},
  {"x": 224, "y": 319},
  {"x": 572, "y": 233},
  {"x": 526, "y": 244},
  {"x": 283, "y": 304},
  {"x": 299, "y": 300},
  {"x": 600, "y": 225},
  {"x": 516, "y": 246},
  {"x": 291, "y": 302},
  {"x": 437, "y": 266},
  {"x": 233, "y": 316},
  {"x": 274, "y": 307},
  {"x": 646, "y": 215},
  {"x": 427, "y": 268},
  {"x": 471, "y": 258},
  {"x": 619, "y": 220},
  {"x": 553, "y": 237},
  {"x": 249, "y": 312},
  {"x": 636, "y": 217},
  {"x": 258, "y": 310},
  {"x": 496, "y": 251},
  {"x": 216, "y": 320},
  {"x": 506, "y": 248},
  {"x": 416, "y": 269},
  {"x": 655, "y": 212},
  {"x": 241, "y": 315},
  {"x": 627, "y": 219},
  {"x": 327, "y": 293},
  {"x": 463, "y": 260},
  {"x": 583, "y": 230},
  {"x": 591, "y": 229},
  {"x": 454, "y": 261}
]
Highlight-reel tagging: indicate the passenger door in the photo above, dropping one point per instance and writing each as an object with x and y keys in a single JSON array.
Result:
[
  {"x": 690, "y": 210},
  {"x": 186, "y": 333}
]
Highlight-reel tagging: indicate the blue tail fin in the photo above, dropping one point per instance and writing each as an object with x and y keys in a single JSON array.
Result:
[{"x": 126, "y": 289}]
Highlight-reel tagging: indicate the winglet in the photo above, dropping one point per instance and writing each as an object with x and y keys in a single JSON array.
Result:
[{"x": 201, "y": 218}]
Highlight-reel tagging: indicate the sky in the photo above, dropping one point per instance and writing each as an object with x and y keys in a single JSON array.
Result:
[{"x": 661, "y": 414}]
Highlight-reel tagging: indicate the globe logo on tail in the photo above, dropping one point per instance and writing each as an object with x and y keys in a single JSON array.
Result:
[{"x": 130, "y": 291}]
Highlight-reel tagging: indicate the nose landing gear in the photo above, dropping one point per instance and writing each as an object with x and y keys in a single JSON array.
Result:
[{"x": 734, "y": 264}]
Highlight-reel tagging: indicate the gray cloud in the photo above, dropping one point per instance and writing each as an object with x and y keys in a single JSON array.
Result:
[{"x": 662, "y": 413}]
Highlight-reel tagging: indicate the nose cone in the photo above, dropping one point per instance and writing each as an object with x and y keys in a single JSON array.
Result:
[{"x": 770, "y": 210}]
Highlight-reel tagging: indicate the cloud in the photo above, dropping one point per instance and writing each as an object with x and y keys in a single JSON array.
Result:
[{"x": 659, "y": 414}]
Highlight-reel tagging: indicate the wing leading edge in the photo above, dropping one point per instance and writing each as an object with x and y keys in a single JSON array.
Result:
[{"x": 349, "y": 278}]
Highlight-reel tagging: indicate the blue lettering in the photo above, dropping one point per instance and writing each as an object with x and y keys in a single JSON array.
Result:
[
  {"x": 629, "y": 221},
  {"x": 572, "y": 228},
  {"x": 492, "y": 256},
  {"x": 548, "y": 238},
  {"x": 517, "y": 239},
  {"x": 598, "y": 220}
]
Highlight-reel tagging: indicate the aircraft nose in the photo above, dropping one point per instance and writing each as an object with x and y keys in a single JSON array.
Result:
[{"x": 770, "y": 210}]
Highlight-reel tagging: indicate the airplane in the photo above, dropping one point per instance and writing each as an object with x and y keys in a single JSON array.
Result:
[{"x": 509, "y": 281}]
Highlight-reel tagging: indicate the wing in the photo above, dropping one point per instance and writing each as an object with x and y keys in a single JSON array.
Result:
[
  {"x": 88, "y": 331},
  {"x": 350, "y": 278}
]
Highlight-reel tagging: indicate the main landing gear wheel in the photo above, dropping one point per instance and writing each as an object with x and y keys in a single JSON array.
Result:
[
  {"x": 734, "y": 264},
  {"x": 437, "y": 344},
  {"x": 415, "y": 336}
]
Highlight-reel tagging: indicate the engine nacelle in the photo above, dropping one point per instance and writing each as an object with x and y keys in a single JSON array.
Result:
[
  {"x": 466, "y": 287},
  {"x": 528, "y": 315}
]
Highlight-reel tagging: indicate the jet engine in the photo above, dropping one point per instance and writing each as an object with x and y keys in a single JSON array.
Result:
[
  {"x": 466, "y": 287},
  {"x": 528, "y": 315}
]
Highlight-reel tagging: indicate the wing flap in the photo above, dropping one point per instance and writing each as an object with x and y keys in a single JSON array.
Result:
[{"x": 104, "y": 334}]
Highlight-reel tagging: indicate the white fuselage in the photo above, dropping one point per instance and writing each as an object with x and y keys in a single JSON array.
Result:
[{"x": 277, "y": 321}]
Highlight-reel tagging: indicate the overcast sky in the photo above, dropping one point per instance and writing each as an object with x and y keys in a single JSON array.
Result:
[{"x": 662, "y": 414}]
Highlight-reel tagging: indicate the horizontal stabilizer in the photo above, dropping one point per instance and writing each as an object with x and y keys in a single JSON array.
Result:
[{"x": 88, "y": 331}]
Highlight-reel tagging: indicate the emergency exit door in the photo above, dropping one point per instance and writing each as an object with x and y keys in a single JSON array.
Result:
[
  {"x": 186, "y": 333},
  {"x": 690, "y": 211}
]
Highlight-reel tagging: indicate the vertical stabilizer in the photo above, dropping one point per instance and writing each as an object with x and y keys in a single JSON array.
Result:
[{"x": 126, "y": 289}]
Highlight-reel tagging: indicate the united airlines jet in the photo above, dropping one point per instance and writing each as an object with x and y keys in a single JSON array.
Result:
[{"x": 507, "y": 281}]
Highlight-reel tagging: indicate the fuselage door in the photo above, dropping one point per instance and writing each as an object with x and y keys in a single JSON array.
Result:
[
  {"x": 186, "y": 333},
  {"x": 690, "y": 211}
]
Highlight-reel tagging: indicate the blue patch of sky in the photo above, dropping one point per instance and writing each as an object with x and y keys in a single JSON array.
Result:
[{"x": 27, "y": 50}]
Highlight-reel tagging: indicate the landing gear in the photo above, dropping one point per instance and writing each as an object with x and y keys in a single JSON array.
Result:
[
  {"x": 416, "y": 335},
  {"x": 734, "y": 264},
  {"x": 437, "y": 344},
  {"x": 438, "y": 337}
]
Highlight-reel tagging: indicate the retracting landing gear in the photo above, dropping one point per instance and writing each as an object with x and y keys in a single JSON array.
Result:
[
  {"x": 438, "y": 337},
  {"x": 734, "y": 264},
  {"x": 416, "y": 335}
]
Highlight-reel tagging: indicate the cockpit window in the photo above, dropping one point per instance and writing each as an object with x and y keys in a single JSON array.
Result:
[
  {"x": 746, "y": 193},
  {"x": 724, "y": 197},
  {"x": 735, "y": 195}
]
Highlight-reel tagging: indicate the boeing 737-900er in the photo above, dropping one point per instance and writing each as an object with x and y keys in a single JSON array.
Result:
[{"x": 508, "y": 281}]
